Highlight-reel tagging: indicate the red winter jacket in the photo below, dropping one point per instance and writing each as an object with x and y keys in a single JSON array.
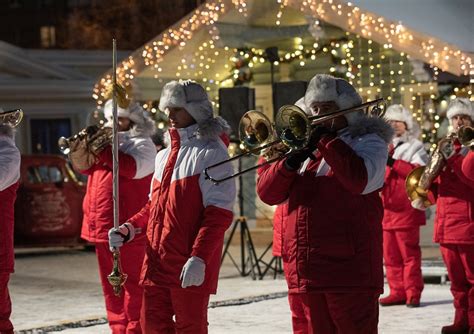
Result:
[
  {"x": 333, "y": 235},
  {"x": 279, "y": 218},
  {"x": 7, "y": 218},
  {"x": 9, "y": 175},
  {"x": 398, "y": 212},
  {"x": 187, "y": 215},
  {"x": 468, "y": 165},
  {"x": 136, "y": 162},
  {"x": 454, "y": 221}
]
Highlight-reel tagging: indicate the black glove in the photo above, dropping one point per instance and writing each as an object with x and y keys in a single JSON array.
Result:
[
  {"x": 390, "y": 161},
  {"x": 295, "y": 159},
  {"x": 318, "y": 133}
]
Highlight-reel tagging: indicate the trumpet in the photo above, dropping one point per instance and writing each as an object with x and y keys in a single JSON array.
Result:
[
  {"x": 11, "y": 117},
  {"x": 419, "y": 181},
  {"x": 292, "y": 129},
  {"x": 98, "y": 138}
]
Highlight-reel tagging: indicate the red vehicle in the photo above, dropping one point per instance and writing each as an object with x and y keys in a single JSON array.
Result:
[{"x": 48, "y": 208}]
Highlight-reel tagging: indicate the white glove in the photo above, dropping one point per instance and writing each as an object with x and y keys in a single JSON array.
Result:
[
  {"x": 119, "y": 236},
  {"x": 418, "y": 203},
  {"x": 193, "y": 272}
]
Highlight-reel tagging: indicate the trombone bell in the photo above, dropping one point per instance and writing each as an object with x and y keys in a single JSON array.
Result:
[{"x": 255, "y": 130}]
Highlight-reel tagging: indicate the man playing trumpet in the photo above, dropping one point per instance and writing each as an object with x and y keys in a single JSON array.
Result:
[
  {"x": 9, "y": 176},
  {"x": 332, "y": 242},
  {"x": 136, "y": 164}
]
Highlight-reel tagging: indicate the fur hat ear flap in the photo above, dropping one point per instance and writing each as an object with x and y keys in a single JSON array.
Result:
[{"x": 460, "y": 106}]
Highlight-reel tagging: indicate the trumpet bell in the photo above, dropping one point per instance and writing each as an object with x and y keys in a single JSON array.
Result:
[
  {"x": 293, "y": 127},
  {"x": 255, "y": 130},
  {"x": 12, "y": 117},
  {"x": 414, "y": 192},
  {"x": 63, "y": 144}
]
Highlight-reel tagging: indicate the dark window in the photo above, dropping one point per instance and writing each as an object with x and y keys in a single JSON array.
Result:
[{"x": 46, "y": 132}]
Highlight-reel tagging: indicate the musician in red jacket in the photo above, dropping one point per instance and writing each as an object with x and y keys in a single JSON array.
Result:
[
  {"x": 454, "y": 221},
  {"x": 332, "y": 242},
  {"x": 9, "y": 180},
  {"x": 401, "y": 223},
  {"x": 186, "y": 216},
  {"x": 136, "y": 163},
  {"x": 298, "y": 319},
  {"x": 468, "y": 165}
]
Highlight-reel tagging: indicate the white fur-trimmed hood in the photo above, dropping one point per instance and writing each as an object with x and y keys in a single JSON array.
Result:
[{"x": 360, "y": 125}]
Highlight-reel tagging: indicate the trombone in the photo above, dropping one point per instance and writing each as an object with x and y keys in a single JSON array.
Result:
[
  {"x": 11, "y": 117},
  {"x": 292, "y": 128}
]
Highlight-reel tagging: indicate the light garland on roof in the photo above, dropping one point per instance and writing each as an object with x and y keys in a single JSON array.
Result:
[{"x": 348, "y": 16}]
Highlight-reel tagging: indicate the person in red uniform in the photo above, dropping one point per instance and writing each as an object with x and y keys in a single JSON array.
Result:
[
  {"x": 136, "y": 164},
  {"x": 401, "y": 222},
  {"x": 454, "y": 221},
  {"x": 186, "y": 216},
  {"x": 468, "y": 165},
  {"x": 332, "y": 242},
  {"x": 9, "y": 179},
  {"x": 298, "y": 319}
]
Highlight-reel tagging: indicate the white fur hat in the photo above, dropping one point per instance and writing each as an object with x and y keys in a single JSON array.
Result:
[
  {"x": 300, "y": 104},
  {"x": 460, "y": 106},
  {"x": 188, "y": 95},
  {"x": 325, "y": 88},
  {"x": 134, "y": 112},
  {"x": 397, "y": 112}
]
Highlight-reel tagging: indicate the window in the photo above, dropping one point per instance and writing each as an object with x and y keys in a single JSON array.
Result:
[
  {"x": 44, "y": 174},
  {"x": 48, "y": 36}
]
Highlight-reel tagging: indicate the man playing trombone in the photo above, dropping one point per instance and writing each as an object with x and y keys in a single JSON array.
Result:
[
  {"x": 332, "y": 244},
  {"x": 9, "y": 175}
]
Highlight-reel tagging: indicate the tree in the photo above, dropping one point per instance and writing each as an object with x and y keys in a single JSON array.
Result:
[{"x": 131, "y": 22}]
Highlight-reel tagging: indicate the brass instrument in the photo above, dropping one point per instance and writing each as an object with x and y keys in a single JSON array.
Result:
[
  {"x": 292, "y": 128},
  {"x": 11, "y": 117},
  {"x": 419, "y": 181},
  {"x": 95, "y": 137},
  {"x": 465, "y": 136}
]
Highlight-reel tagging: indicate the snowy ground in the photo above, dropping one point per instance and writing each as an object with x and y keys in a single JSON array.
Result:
[{"x": 61, "y": 289}]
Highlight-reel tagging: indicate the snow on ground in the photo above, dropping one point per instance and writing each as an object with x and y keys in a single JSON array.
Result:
[
  {"x": 272, "y": 316},
  {"x": 56, "y": 289}
]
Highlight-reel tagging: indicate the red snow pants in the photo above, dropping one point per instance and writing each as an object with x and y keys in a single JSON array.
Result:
[
  {"x": 339, "y": 313},
  {"x": 459, "y": 260},
  {"x": 160, "y": 304},
  {"x": 298, "y": 317},
  {"x": 5, "y": 304},
  {"x": 402, "y": 257},
  {"x": 123, "y": 312}
]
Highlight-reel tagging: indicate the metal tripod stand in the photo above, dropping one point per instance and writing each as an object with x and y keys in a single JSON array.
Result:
[{"x": 249, "y": 262}]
